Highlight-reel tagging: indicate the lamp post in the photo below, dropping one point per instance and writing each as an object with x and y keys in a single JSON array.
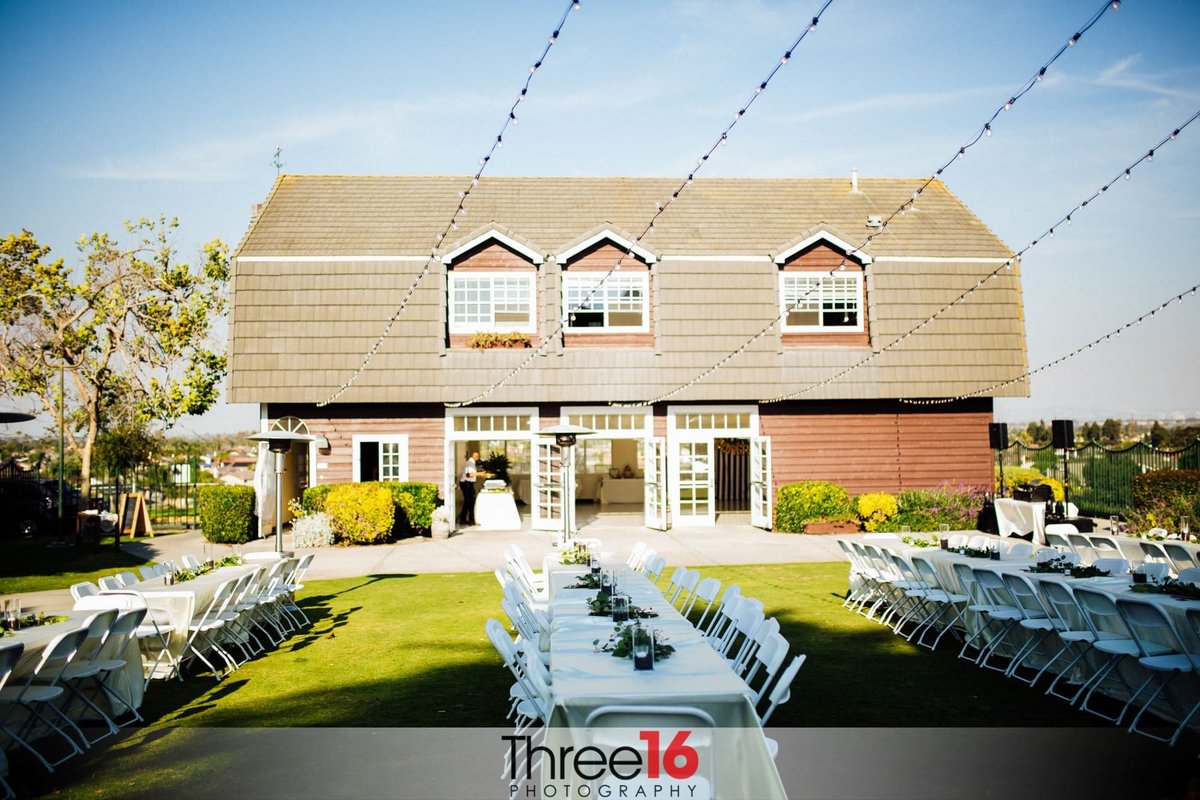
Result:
[
  {"x": 279, "y": 443},
  {"x": 62, "y": 398},
  {"x": 565, "y": 437}
]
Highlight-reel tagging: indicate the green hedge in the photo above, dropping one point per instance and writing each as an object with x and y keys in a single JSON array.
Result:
[
  {"x": 414, "y": 503},
  {"x": 798, "y": 504},
  {"x": 1158, "y": 486},
  {"x": 361, "y": 513},
  {"x": 226, "y": 513}
]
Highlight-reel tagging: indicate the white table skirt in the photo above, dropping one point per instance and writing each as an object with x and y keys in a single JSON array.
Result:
[
  {"x": 623, "y": 490},
  {"x": 1020, "y": 517},
  {"x": 126, "y": 682},
  {"x": 583, "y": 680},
  {"x": 497, "y": 511}
]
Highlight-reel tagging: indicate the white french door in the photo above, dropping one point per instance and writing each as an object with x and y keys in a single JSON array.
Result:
[
  {"x": 760, "y": 482},
  {"x": 692, "y": 491},
  {"x": 546, "y": 480},
  {"x": 656, "y": 483},
  {"x": 450, "y": 481}
]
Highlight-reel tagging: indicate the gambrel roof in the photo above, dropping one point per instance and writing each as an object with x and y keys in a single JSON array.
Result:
[{"x": 328, "y": 259}]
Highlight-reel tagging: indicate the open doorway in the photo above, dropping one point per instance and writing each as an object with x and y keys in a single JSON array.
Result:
[{"x": 732, "y": 478}]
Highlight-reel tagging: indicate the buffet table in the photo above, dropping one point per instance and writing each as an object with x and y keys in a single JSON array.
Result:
[
  {"x": 496, "y": 510},
  {"x": 1019, "y": 517}
]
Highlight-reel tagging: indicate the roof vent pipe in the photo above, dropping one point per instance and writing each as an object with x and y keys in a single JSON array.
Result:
[{"x": 854, "y": 179}]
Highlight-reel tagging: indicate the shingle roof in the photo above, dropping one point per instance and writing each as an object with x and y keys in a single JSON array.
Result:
[{"x": 301, "y": 325}]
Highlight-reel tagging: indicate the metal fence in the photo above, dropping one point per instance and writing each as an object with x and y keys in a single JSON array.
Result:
[
  {"x": 169, "y": 491},
  {"x": 1101, "y": 479}
]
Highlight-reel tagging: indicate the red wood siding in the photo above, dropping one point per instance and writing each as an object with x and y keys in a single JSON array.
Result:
[
  {"x": 823, "y": 258},
  {"x": 600, "y": 258},
  {"x": 880, "y": 446},
  {"x": 424, "y": 424}
]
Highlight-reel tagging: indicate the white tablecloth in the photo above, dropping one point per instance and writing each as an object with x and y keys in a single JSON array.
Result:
[
  {"x": 694, "y": 675},
  {"x": 497, "y": 511},
  {"x": 1020, "y": 517}
]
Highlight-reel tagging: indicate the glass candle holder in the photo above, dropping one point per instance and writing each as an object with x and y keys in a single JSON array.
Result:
[{"x": 642, "y": 640}]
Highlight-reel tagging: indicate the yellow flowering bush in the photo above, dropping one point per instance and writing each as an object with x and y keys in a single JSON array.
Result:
[{"x": 875, "y": 508}]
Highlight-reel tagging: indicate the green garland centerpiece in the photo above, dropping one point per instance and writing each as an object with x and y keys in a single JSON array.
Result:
[
  {"x": 587, "y": 581},
  {"x": 576, "y": 556},
  {"x": 921, "y": 541},
  {"x": 1172, "y": 586},
  {"x": 1058, "y": 564},
  {"x": 1088, "y": 572},
  {"x": 35, "y": 620},
  {"x": 601, "y": 606},
  {"x": 620, "y": 644},
  {"x": 190, "y": 574},
  {"x": 972, "y": 552}
]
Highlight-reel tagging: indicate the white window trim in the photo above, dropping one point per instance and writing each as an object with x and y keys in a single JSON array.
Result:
[
  {"x": 644, "y": 279},
  {"x": 783, "y": 306},
  {"x": 380, "y": 438},
  {"x": 645, "y": 432},
  {"x": 492, "y": 327}
]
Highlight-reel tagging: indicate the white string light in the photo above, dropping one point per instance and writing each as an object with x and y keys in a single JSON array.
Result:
[
  {"x": 660, "y": 208},
  {"x": 509, "y": 119},
  {"x": 1051, "y": 364},
  {"x": 984, "y": 132},
  {"x": 1005, "y": 266}
]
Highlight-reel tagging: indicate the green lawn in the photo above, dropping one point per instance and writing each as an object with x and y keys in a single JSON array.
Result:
[
  {"x": 37, "y": 565},
  {"x": 410, "y": 651}
]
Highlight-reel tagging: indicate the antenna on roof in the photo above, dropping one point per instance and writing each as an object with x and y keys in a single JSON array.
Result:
[{"x": 277, "y": 162}]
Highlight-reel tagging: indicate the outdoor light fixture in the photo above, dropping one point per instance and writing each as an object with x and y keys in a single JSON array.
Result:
[
  {"x": 279, "y": 443},
  {"x": 565, "y": 437}
]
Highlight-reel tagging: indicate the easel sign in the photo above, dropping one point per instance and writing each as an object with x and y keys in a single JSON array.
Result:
[{"x": 135, "y": 516}]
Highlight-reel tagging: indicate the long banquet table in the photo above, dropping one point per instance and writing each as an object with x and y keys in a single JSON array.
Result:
[
  {"x": 182, "y": 601},
  {"x": 695, "y": 675}
]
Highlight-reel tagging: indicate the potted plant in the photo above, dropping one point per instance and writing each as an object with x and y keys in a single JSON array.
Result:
[
  {"x": 496, "y": 464},
  {"x": 440, "y": 527}
]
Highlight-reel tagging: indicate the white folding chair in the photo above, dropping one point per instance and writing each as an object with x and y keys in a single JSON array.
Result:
[
  {"x": 204, "y": 630},
  {"x": 41, "y": 689},
  {"x": 1113, "y": 566},
  {"x": 1155, "y": 571},
  {"x": 1190, "y": 575},
  {"x": 1038, "y": 620},
  {"x": 957, "y": 540},
  {"x": 190, "y": 562},
  {"x": 127, "y": 579},
  {"x": 1152, "y": 630},
  {"x": 686, "y": 588},
  {"x": 111, "y": 583},
  {"x": 717, "y": 622},
  {"x": 1083, "y": 546},
  {"x": 1019, "y": 550},
  {"x": 1004, "y": 609},
  {"x": 1105, "y": 546},
  {"x": 85, "y": 589},
  {"x": 1045, "y": 554},
  {"x": 1101, "y": 611},
  {"x": 672, "y": 590},
  {"x": 707, "y": 590},
  {"x": 635, "y": 555},
  {"x": 1180, "y": 557},
  {"x": 654, "y": 567},
  {"x": 87, "y": 666},
  {"x": 944, "y": 601},
  {"x": 667, "y": 718},
  {"x": 781, "y": 693},
  {"x": 769, "y": 658}
]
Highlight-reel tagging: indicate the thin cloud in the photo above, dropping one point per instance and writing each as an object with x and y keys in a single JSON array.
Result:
[
  {"x": 1122, "y": 75},
  {"x": 883, "y": 102}
]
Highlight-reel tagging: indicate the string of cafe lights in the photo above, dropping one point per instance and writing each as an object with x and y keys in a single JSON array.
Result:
[
  {"x": 660, "y": 208},
  {"x": 509, "y": 120},
  {"x": 1124, "y": 175},
  {"x": 985, "y": 131},
  {"x": 1092, "y": 345}
]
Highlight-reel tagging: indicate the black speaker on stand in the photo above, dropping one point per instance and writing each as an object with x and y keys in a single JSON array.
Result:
[
  {"x": 998, "y": 440},
  {"x": 1062, "y": 437}
]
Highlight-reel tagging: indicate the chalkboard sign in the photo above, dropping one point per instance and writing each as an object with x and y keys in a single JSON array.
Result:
[{"x": 135, "y": 517}]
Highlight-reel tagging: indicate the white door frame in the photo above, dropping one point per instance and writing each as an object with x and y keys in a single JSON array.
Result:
[
  {"x": 678, "y": 435},
  {"x": 451, "y": 467},
  {"x": 761, "y": 496},
  {"x": 656, "y": 516}
]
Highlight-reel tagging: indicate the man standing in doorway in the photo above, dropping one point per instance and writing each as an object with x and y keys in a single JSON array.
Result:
[{"x": 466, "y": 482}]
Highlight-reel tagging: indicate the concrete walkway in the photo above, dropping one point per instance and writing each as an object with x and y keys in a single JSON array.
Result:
[{"x": 477, "y": 550}]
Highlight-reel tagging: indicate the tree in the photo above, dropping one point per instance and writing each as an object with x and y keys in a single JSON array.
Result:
[
  {"x": 1091, "y": 432},
  {"x": 1038, "y": 433},
  {"x": 1158, "y": 435},
  {"x": 131, "y": 329},
  {"x": 1111, "y": 432}
]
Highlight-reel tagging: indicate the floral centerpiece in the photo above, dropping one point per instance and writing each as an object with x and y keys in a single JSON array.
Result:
[
  {"x": 601, "y": 606},
  {"x": 32, "y": 621},
  {"x": 1171, "y": 586}
]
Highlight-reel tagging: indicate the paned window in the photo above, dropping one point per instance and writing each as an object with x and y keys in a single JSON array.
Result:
[
  {"x": 617, "y": 304},
  {"x": 492, "y": 303},
  {"x": 815, "y": 302}
]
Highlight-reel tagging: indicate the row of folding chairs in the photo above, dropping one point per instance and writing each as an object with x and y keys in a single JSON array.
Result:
[
  {"x": 1090, "y": 646},
  {"x": 75, "y": 674},
  {"x": 738, "y": 629},
  {"x": 1066, "y": 538}
]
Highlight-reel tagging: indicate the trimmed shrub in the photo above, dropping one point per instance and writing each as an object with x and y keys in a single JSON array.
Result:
[
  {"x": 226, "y": 513},
  {"x": 313, "y": 499},
  {"x": 1015, "y": 476},
  {"x": 876, "y": 507},
  {"x": 1159, "y": 485},
  {"x": 361, "y": 513},
  {"x": 414, "y": 506},
  {"x": 798, "y": 504}
]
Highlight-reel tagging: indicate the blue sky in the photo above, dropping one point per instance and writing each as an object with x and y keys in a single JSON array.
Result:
[{"x": 121, "y": 110}]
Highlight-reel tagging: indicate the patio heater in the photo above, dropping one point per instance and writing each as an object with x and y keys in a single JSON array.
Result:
[
  {"x": 565, "y": 437},
  {"x": 279, "y": 443}
]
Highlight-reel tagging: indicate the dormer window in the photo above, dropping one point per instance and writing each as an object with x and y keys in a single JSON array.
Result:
[
  {"x": 820, "y": 302},
  {"x": 616, "y": 304},
  {"x": 492, "y": 302}
]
